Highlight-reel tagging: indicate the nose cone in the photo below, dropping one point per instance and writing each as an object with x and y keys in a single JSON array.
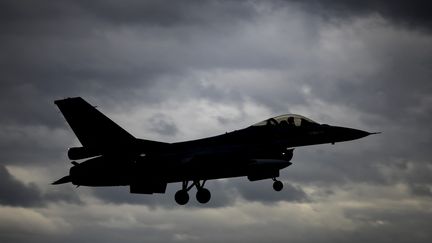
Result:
[
  {"x": 346, "y": 134},
  {"x": 356, "y": 134}
]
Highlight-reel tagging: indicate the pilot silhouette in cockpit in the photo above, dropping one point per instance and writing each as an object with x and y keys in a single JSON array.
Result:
[{"x": 291, "y": 122}]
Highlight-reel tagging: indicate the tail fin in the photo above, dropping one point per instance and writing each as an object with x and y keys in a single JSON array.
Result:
[{"x": 92, "y": 128}]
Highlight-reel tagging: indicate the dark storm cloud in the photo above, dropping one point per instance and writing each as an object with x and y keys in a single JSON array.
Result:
[
  {"x": 53, "y": 50},
  {"x": 45, "y": 44},
  {"x": 400, "y": 88},
  {"x": 168, "y": 13},
  {"x": 149, "y": 12},
  {"x": 14, "y": 193},
  {"x": 411, "y": 14},
  {"x": 33, "y": 144},
  {"x": 236, "y": 54}
]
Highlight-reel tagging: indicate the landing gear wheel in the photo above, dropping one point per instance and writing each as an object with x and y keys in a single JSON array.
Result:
[
  {"x": 181, "y": 197},
  {"x": 203, "y": 195},
  {"x": 277, "y": 185}
]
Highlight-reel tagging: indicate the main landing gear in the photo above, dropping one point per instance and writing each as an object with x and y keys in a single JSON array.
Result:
[{"x": 203, "y": 195}]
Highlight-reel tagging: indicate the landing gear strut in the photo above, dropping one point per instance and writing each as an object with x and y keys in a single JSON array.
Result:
[
  {"x": 277, "y": 185},
  {"x": 203, "y": 195}
]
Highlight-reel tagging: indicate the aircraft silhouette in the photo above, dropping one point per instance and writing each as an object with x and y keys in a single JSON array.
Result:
[{"x": 116, "y": 158}]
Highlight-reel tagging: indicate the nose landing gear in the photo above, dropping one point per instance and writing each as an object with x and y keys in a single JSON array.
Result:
[
  {"x": 277, "y": 185},
  {"x": 203, "y": 195}
]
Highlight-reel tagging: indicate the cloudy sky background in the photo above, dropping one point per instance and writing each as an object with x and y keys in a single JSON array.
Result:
[{"x": 178, "y": 70}]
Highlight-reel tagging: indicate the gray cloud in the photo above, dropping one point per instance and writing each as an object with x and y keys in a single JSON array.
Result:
[
  {"x": 121, "y": 195},
  {"x": 261, "y": 191},
  {"x": 15, "y": 193},
  {"x": 364, "y": 64},
  {"x": 382, "y": 224},
  {"x": 69, "y": 48},
  {"x": 223, "y": 195},
  {"x": 163, "y": 125}
]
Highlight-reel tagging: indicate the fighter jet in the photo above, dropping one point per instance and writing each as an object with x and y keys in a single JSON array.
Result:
[{"x": 110, "y": 156}]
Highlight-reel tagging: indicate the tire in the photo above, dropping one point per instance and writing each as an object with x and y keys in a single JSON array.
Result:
[
  {"x": 181, "y": 197},
  {"x": 203, "y": 195},
  {"x": 277, "y": 185}
]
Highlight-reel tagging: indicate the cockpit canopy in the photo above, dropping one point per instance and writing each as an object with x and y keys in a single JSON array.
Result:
[{"x": 287, "y": 120}]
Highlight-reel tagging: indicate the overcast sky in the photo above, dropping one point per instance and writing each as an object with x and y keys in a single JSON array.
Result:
[{"x": 178, "y": 70}]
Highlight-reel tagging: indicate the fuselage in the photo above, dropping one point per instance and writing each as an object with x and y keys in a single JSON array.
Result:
[
  {"x": 114, "y": 157},
  {"x": 232, "y": 154}
]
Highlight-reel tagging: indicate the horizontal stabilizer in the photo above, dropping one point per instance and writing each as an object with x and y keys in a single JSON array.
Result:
[{"x": 63, "y": 180}]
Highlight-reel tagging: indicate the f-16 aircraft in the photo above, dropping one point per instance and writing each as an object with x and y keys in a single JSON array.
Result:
[{"x": 116, "y": 158}]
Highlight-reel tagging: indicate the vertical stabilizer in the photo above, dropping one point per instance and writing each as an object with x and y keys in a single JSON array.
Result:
[{"x": 92, "y": 128}]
